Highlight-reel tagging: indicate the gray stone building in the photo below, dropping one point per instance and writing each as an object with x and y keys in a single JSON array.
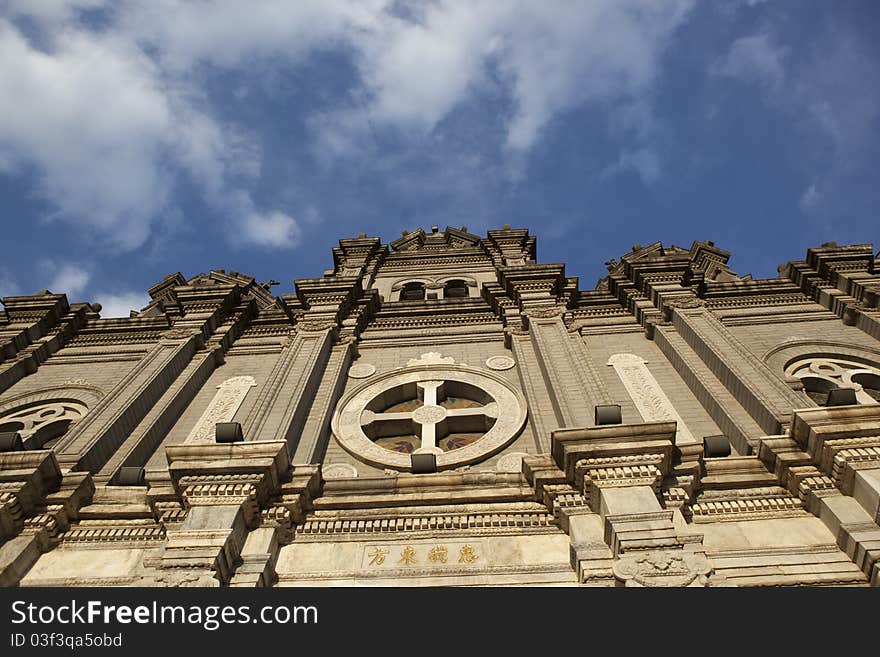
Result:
[{"x": 446, "y": 410}]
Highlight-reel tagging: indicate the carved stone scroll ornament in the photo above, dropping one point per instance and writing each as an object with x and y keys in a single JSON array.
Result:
[
  {"x": 664, "y": 568},
  {"x": 649, "y": 398},
  {"x": 430, "y": 358},
  {"x": 229, "y": 397}
]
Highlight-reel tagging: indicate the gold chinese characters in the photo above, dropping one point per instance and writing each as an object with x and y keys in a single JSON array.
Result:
[{"x": 426, "y": 555}]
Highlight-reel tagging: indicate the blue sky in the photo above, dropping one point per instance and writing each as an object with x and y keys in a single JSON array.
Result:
[{"x": 143, "y": 138}]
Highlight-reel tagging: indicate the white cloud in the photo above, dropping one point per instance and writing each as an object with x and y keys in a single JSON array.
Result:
[
  {"x": 50, "y": 10},
  {"x": 120, "y": 304},
  {"x": 69, "y": 279},
  {"x": 107, "y": 131},
  {"x": 93, "y": 121},
  {"x": 9, "y": 287},
  {"x": 810, "y": 198},
  {"x": 270, "y": 229},
  {"x": 643, "y": 162},
  {"x": 754, "y": 58},
  {"x": 111, "y": 116}
]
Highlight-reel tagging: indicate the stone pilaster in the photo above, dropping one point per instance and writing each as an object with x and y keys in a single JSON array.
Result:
[{"x": 767, "y": 398}]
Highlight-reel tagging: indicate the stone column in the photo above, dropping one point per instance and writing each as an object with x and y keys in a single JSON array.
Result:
[
  {"x": 560, "y": 366},
  {"x": 280, "y": 411}
]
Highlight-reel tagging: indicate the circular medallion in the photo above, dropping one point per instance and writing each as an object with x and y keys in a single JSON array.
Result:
[
  {"x": 361, "y": 370},
  {"x": 339, "y": 471},
  {"x": 429, "y": 414},
  {"x": 500, "y": 363}
]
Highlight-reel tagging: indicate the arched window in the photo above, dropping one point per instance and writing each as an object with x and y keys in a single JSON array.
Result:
[
  {"x": 821, "y": 374},
  {"x": 412, "y": 292},
  {"x": 455, "y": 289},
  {"x": 42, "y": 424}
]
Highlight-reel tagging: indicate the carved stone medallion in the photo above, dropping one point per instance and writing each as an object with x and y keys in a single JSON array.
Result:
[
  {"x": 664, "y": 568},
  {"x": 339, "y": 471},
  {"x": 361, "y": 370},
  {"x": 500, "y": 363}
]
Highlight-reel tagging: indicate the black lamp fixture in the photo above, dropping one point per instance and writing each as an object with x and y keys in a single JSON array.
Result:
[
  {"x": 130, "y": 476},
  {"x": 10, "y": 441},
  {"x": 841, "y": 397},
  {"x": 608, "y": 414},
  {"x": 228, "y": 432},
  {"x": 423, "y": 463},
  {"x": 716, "y": 446}
]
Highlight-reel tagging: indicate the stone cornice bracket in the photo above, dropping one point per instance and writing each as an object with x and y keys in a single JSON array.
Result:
[
  {"x": 623, "y": 447},
  {"x": 295, "y": 500},
  {"x": 28, "y": 318},
  {"x": 533, "y": 285},
  {"x": 823, "y": 432},
  {"x": 224, "y": 486},
  {"x": 34, "y": 327},
  {"x": 327, "y": 300},
  {"x": 36, "y": 505},
  {"x": 510, "y": 247},
  {"x": 843, "y": 279},
  {"x": 262, "y": 464},
  {"x": 352, "y": 256},
  {"x": 359, "y": 315}
]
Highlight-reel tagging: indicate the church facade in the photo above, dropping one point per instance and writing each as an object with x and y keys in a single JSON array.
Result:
[{"x": 446, "y": 410}]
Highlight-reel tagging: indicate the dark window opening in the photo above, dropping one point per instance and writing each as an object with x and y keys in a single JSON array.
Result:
[
  {"x": 455, "y": 289},
  {"x": 412, "y": 292}
]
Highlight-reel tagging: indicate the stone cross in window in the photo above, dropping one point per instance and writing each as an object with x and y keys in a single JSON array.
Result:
[{"x": 431, "y": 421}]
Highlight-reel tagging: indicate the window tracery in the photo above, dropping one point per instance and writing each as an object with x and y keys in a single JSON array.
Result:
[
  {"x": 821, "y": 374},
  {"x": 42, "y": 424}
]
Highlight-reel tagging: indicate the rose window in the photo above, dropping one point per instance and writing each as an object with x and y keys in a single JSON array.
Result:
[{"x": 461, "y": 414}]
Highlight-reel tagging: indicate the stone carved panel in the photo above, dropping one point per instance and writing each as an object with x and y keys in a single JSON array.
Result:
[
  {"x": 649, "y": 398},
  {"x": 665, "y": 568},
  {"x": 430, "y": 358},
  {"x": 229, "y": 397}
]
